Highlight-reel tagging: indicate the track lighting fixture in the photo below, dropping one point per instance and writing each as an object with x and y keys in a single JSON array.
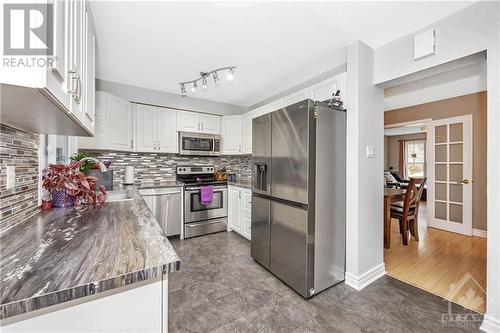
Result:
[{"x": 204, "y": 78}]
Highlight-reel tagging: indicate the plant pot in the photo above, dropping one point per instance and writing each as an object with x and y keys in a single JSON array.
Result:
[{"x": 61, "y": 199}]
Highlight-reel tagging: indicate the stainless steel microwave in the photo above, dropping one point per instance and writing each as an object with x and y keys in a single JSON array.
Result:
[{"x": 199, "y": 144}]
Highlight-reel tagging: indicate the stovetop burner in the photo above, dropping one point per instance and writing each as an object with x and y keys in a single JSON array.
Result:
[{"x": 197, "y": 175}]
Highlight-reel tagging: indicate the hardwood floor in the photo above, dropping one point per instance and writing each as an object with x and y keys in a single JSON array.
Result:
[{"x": 450, "y": 265}]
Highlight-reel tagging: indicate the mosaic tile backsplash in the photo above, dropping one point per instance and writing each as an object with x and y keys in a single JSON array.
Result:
[
  {"x": 18, "y": 149},
  {"x": 154, "y": 167}
]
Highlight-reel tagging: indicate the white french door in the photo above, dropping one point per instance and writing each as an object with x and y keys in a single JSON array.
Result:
[{"x": 450, "y": 174}]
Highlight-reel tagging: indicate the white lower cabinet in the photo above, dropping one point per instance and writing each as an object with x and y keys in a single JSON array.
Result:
[{"x": 240, "y": 210}]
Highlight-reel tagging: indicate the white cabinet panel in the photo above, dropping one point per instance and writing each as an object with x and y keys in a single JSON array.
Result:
[
  {"x": 295, "y": 98},
  {"x": 234, "y": 213},
  {"x": 146, "y": 128},
  {"x": 240, "y": 210},
  {"x": 120, "y": 124},
  {"x": 324, "y": 90},
  {"x": 188, "y": 121},
  {"x": 231, "y": 135},
  {"x": 247, "y": 133},
  {"x": 100, "y": 138},
  {"x": 166, "y": 130},
  {"x": 210, "y": 123}
]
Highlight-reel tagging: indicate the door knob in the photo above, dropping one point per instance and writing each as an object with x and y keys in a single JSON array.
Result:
[{"x": 465, "y": 181}]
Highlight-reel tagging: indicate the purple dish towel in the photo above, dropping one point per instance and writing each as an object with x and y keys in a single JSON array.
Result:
[{"x": 206, "y": 195}]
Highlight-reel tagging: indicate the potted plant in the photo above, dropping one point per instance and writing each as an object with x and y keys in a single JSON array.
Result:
[{"x": 69, "y": 186}]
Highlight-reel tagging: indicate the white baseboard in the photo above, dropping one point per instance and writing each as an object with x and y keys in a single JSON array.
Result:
[
  {"x": 490, "y": 325},
  {"x": 479, "y": 233},
  {"x": 363, "y": 280}
]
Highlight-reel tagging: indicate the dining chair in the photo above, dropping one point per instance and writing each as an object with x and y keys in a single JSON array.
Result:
[
  {"x": 414, "y": 223},
  {"x": 406, "y": 211}
]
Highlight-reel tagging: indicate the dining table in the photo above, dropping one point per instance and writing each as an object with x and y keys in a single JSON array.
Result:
[{"x": 390, "y": 195}]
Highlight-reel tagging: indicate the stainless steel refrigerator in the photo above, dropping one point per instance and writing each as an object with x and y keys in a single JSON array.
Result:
[{"x": 298, "y": 195}]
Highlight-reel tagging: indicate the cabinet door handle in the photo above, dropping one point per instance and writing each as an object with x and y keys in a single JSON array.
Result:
[
  {"x": 131, "y": 143},
  {"x": 202, "y": 126}
]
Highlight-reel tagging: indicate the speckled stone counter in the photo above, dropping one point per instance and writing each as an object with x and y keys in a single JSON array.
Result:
[
  {"x": 68, "y": 253},
  {"x": 240, "y": 183}
]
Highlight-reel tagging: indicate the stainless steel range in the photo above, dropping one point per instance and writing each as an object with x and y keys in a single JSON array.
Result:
[{"x": 201, "y": 219}]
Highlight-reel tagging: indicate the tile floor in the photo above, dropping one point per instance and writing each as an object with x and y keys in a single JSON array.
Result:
[{"x": 221, "y": 289}]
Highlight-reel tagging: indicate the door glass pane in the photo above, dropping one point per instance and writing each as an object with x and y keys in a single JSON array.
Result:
[
  {"x": 440, "y": 134},
  {"x": 456, "y": 132},
  {"x": 456, "y": 193},
  {"x": 440, "y": 210},
  {"x": 197, "y": 206},
  {"x": 456, "y": 152},
  {"x": 440, "y": 153},
  {"x": 440, "y": 191},
  {"x": 456, "y": 213},
  {"x": 456, "y": 173},
  {"x": 441, "y": 174}
]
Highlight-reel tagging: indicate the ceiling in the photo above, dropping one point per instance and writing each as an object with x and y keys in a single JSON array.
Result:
[{"x": 275, "y": 45}]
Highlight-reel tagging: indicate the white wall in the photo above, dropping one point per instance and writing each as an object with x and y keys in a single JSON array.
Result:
[
  {"x": 463, "y": 81},
  {"x": 365, "y": 126},
  {"x": 472, "y": 30},
  {"x": 166, "y": 99},
  {"x": 464, "y": 33}
]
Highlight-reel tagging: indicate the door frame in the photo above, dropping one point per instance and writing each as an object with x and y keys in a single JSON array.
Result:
[
  {"x": 464, "y": 228},
  {"x": 427, "y": 122}
]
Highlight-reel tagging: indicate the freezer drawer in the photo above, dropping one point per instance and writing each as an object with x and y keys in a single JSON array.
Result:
[
  {"x": 260, "y": 230},
  {"x": 289, "y": 248}
]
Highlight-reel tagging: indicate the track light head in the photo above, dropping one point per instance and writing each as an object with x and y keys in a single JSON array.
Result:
[
  {"x": 216, "y": 79},
  {"x": 193, "y": 88},
  {"x": 183, "y": 90},
  {"x": 204, "y": 82},
  {"x": 230, "y": 75}
]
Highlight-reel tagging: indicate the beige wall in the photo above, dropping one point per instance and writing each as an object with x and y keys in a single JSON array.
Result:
[
  {"x": 474, "y": 104},
  {"x": 393, "y": 148}
]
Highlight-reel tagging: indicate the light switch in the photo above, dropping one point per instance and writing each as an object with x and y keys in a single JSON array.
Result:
[
  {"x": 11, "y": 176},
  {"x": 370, "y": 151}
]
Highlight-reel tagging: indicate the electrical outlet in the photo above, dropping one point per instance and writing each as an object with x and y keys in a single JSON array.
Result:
[{"x": 11, "y": 176}]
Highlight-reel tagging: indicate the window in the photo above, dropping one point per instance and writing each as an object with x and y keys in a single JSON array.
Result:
[
  {"x": 53, "y": 149},
  {"x": 415, "y": 158}
]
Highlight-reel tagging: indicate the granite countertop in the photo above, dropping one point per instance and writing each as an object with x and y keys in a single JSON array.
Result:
[
  {"x": 241, "y": 183},
  {"x": 68, "y": 253}
]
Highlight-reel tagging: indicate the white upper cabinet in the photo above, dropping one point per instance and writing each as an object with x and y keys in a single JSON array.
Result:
[
  {"x": 246, "y": 120},
  {"x": 113, "y": 124},
  {"x": 166, "y": 130},
  {"x": 188, "y": 121},
  {"x": 156, "y": 129},
  {"x": 67, "y": 82},
  {"x": 210, "y": 124},
  {"x": 146, "y": 128},
  {"x": 232, "y": 135},
  {"x": 198, "y": 122},
  {"x": 120, "y": 124}
]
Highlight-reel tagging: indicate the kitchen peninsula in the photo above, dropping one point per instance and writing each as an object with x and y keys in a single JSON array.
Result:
[{"x": 90, "y": 268}]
